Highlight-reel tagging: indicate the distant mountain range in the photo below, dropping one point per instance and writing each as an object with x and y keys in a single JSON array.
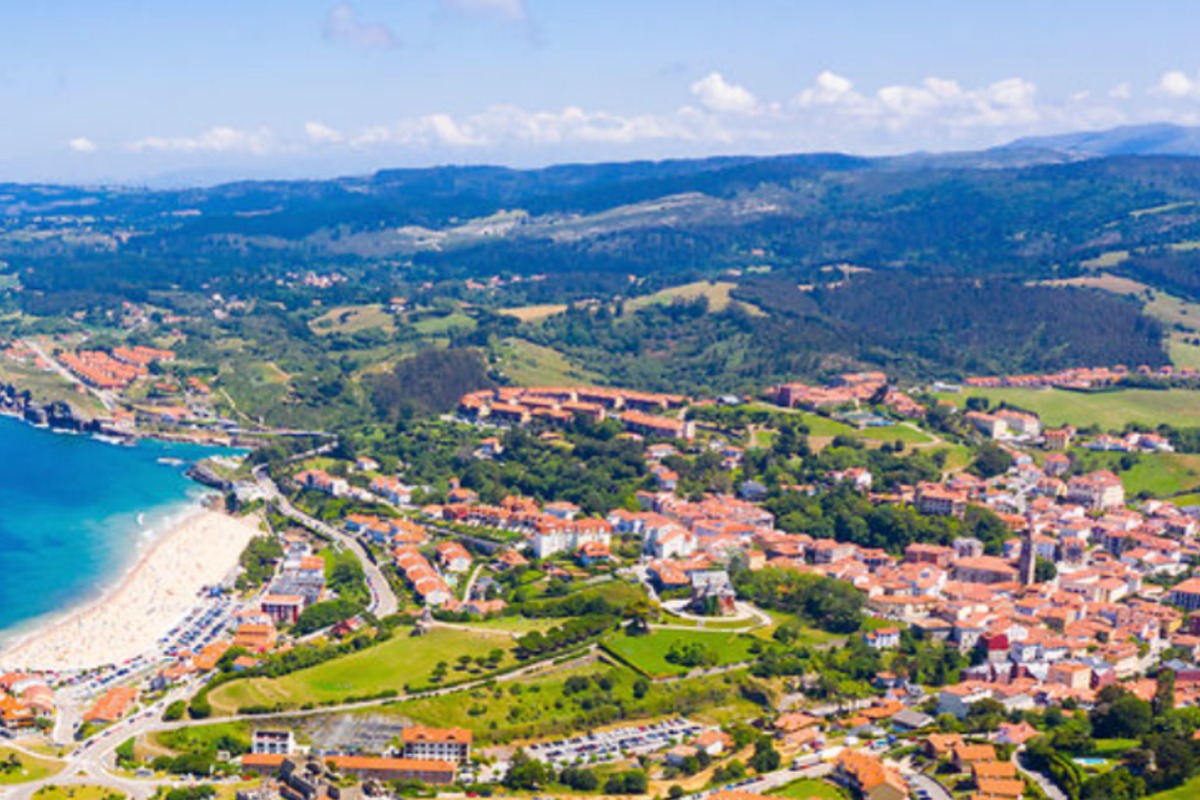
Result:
[{"x": 1162, "y": 139}]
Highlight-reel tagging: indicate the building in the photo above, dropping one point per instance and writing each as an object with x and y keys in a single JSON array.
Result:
[
  {"x": 868, "y": 777},
  {"x": 283, "y": 609},
  {"x": 112, "y": 705},
  {"x": 436, "y": 744},
  {"x": 1186, "y": 595},
  {"x": 939, "y": 501},
  {"x": 273, "y": 742},
  {"x": 1097, "y": 491},
  {"x": 395, "y": 769}
]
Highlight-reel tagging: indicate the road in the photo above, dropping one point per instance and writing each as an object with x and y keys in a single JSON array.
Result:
[
  {"x": 933, "y": 789},
  {"x": 1048, "y": 787},
  {"x": 103, "y": 397},
  {"x": 383, "y": 599},
  {"x": 94, "y": 762}
]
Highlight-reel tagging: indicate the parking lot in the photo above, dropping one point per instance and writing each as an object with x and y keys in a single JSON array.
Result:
[{"x": 615, "y": 744}]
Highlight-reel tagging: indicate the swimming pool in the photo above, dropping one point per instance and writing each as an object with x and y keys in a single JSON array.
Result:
[{"x": 1090, "y": 762}]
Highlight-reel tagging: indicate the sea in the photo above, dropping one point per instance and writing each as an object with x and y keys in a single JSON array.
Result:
[{"x": 75, "y": 512}]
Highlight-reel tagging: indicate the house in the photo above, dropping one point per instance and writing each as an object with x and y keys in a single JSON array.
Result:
[
  {"x": 593, "y": 553},
  {"x": 453, "y": 557},
  {"x": 713, "y": 742},
  {"x": 966, "y": 756},
  {"x": 911, "y": 720},
  {"x": 436, "y": 744},
  {"x": 868, "y": 777},
  {"x": 257, "y": 637},
  {"x": 883, "y": 639},
  {"x": 958, "y": 698},
  {"x": 937, "y": 500}
]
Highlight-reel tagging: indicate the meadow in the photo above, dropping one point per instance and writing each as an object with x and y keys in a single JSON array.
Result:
[
  {"x": 648, "y": 653},
  {"x": 391, "y": 666},
  {"x": 1110, "y": 410},
  {"x": 31, "y": 769}
]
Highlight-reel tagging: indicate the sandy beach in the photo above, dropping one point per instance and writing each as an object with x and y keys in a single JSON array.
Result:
[{"x": 154, "y": 595}]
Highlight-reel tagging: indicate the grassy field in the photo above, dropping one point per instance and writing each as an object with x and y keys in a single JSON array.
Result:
[
  {"x": 1188, "y": 791},
  {"x": 1159, "y": 474},
  {"x": 529, "y": 364},
  {"x": 539, "y": 707},
  {"x": 433, "y": 326},
  {"x": 1110, "y": 410},
  {"x": 808, "y": 788},
  {"x": 534, "y": 313},
  {"x": 49, "y": 387},
  {"x": 77, "y": 793},
  {"x": 649, "y": 653},
  {"x": 31, "y": 769},
  {"x": 352, "y": 319},
  {"x": 400, "y": 661},
  {"x": 1108, "y": 282},
  {"x": 716, "y": 292}
]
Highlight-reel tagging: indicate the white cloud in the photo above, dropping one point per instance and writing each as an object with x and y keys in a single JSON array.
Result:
[
  {"x": 830, "y": 89},
  {"x": 343, "y": 25},
  {"x": 82, "y": 145},
  {"x": 1176, "y": 84},
  {"x": 511, "y": 10},
  {"x": 1122, "y": 91},
  {"x": 319, "y": 133},
  {"x": 219, "y": 139},
  {"x": 718, "y": 94}
]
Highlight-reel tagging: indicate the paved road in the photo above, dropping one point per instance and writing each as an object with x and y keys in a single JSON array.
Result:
[
  {"x": 931, "y": 787},
  {"x": 1048, "y": 787},
  {"x": 383, "y": 599},
  {"x": 103, "y": 397}
]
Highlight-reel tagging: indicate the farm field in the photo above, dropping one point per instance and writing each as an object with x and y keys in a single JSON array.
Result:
[
  {"x": 529, "y": 364},
  {"x": 398, "y": 662},
  {"x": 352, "y": 319},
  {"x": 534, "y": 313},
  {"x": 433, "y": 326},
  {"x": 31, "y": 769},
  {"x": 809, "y": 788},
  {"x": 1110, "y": 410},
  {"x": 649, "y": 653}
]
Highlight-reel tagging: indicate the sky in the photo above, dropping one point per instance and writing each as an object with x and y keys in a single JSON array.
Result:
[{"x": 178, "y": 91}]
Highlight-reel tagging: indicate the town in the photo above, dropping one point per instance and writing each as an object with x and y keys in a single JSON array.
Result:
[{"x": 757, "y": 612}]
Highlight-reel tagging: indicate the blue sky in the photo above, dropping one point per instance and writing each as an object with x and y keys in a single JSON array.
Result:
[{"x": 133, "y": 91}]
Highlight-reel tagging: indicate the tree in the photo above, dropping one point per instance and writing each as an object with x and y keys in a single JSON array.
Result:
[
  {"x": 766, "y": 758},
  {"x": 1118, "y": 714},
  {"x": 991, "y": 460},
  {"x": 1164, "y": 692},
  {"x": 1044, "y": 570}
]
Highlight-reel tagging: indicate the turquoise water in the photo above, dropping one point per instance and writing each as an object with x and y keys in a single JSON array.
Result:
[{"x": 75, "y": 511}]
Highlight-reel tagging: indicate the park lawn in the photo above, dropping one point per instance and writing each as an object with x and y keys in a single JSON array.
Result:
[
  {"x": 1110, "y": 410},
  {"x": 1113, "y": 748},
  {"x": 538, "y": 707},
  {"x": 31, "y": 769},
  {"x": 400, "y": 662},
  {"x": 77, "y": 792},
  {"x": 895, "y": 433},
  {"x": 529, "y": 364},
  {"x": 809, "y": 636},
  {"x": 1158, "y": 474},
  {"x": 648, "y": 653},
  {"x": 805, "y": 788}
]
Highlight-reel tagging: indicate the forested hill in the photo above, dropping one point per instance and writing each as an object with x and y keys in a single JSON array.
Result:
[{"x": 1036, "y": 256}]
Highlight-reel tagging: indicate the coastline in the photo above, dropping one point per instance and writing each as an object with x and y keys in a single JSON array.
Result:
[{"x": 199, "y": 548}]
